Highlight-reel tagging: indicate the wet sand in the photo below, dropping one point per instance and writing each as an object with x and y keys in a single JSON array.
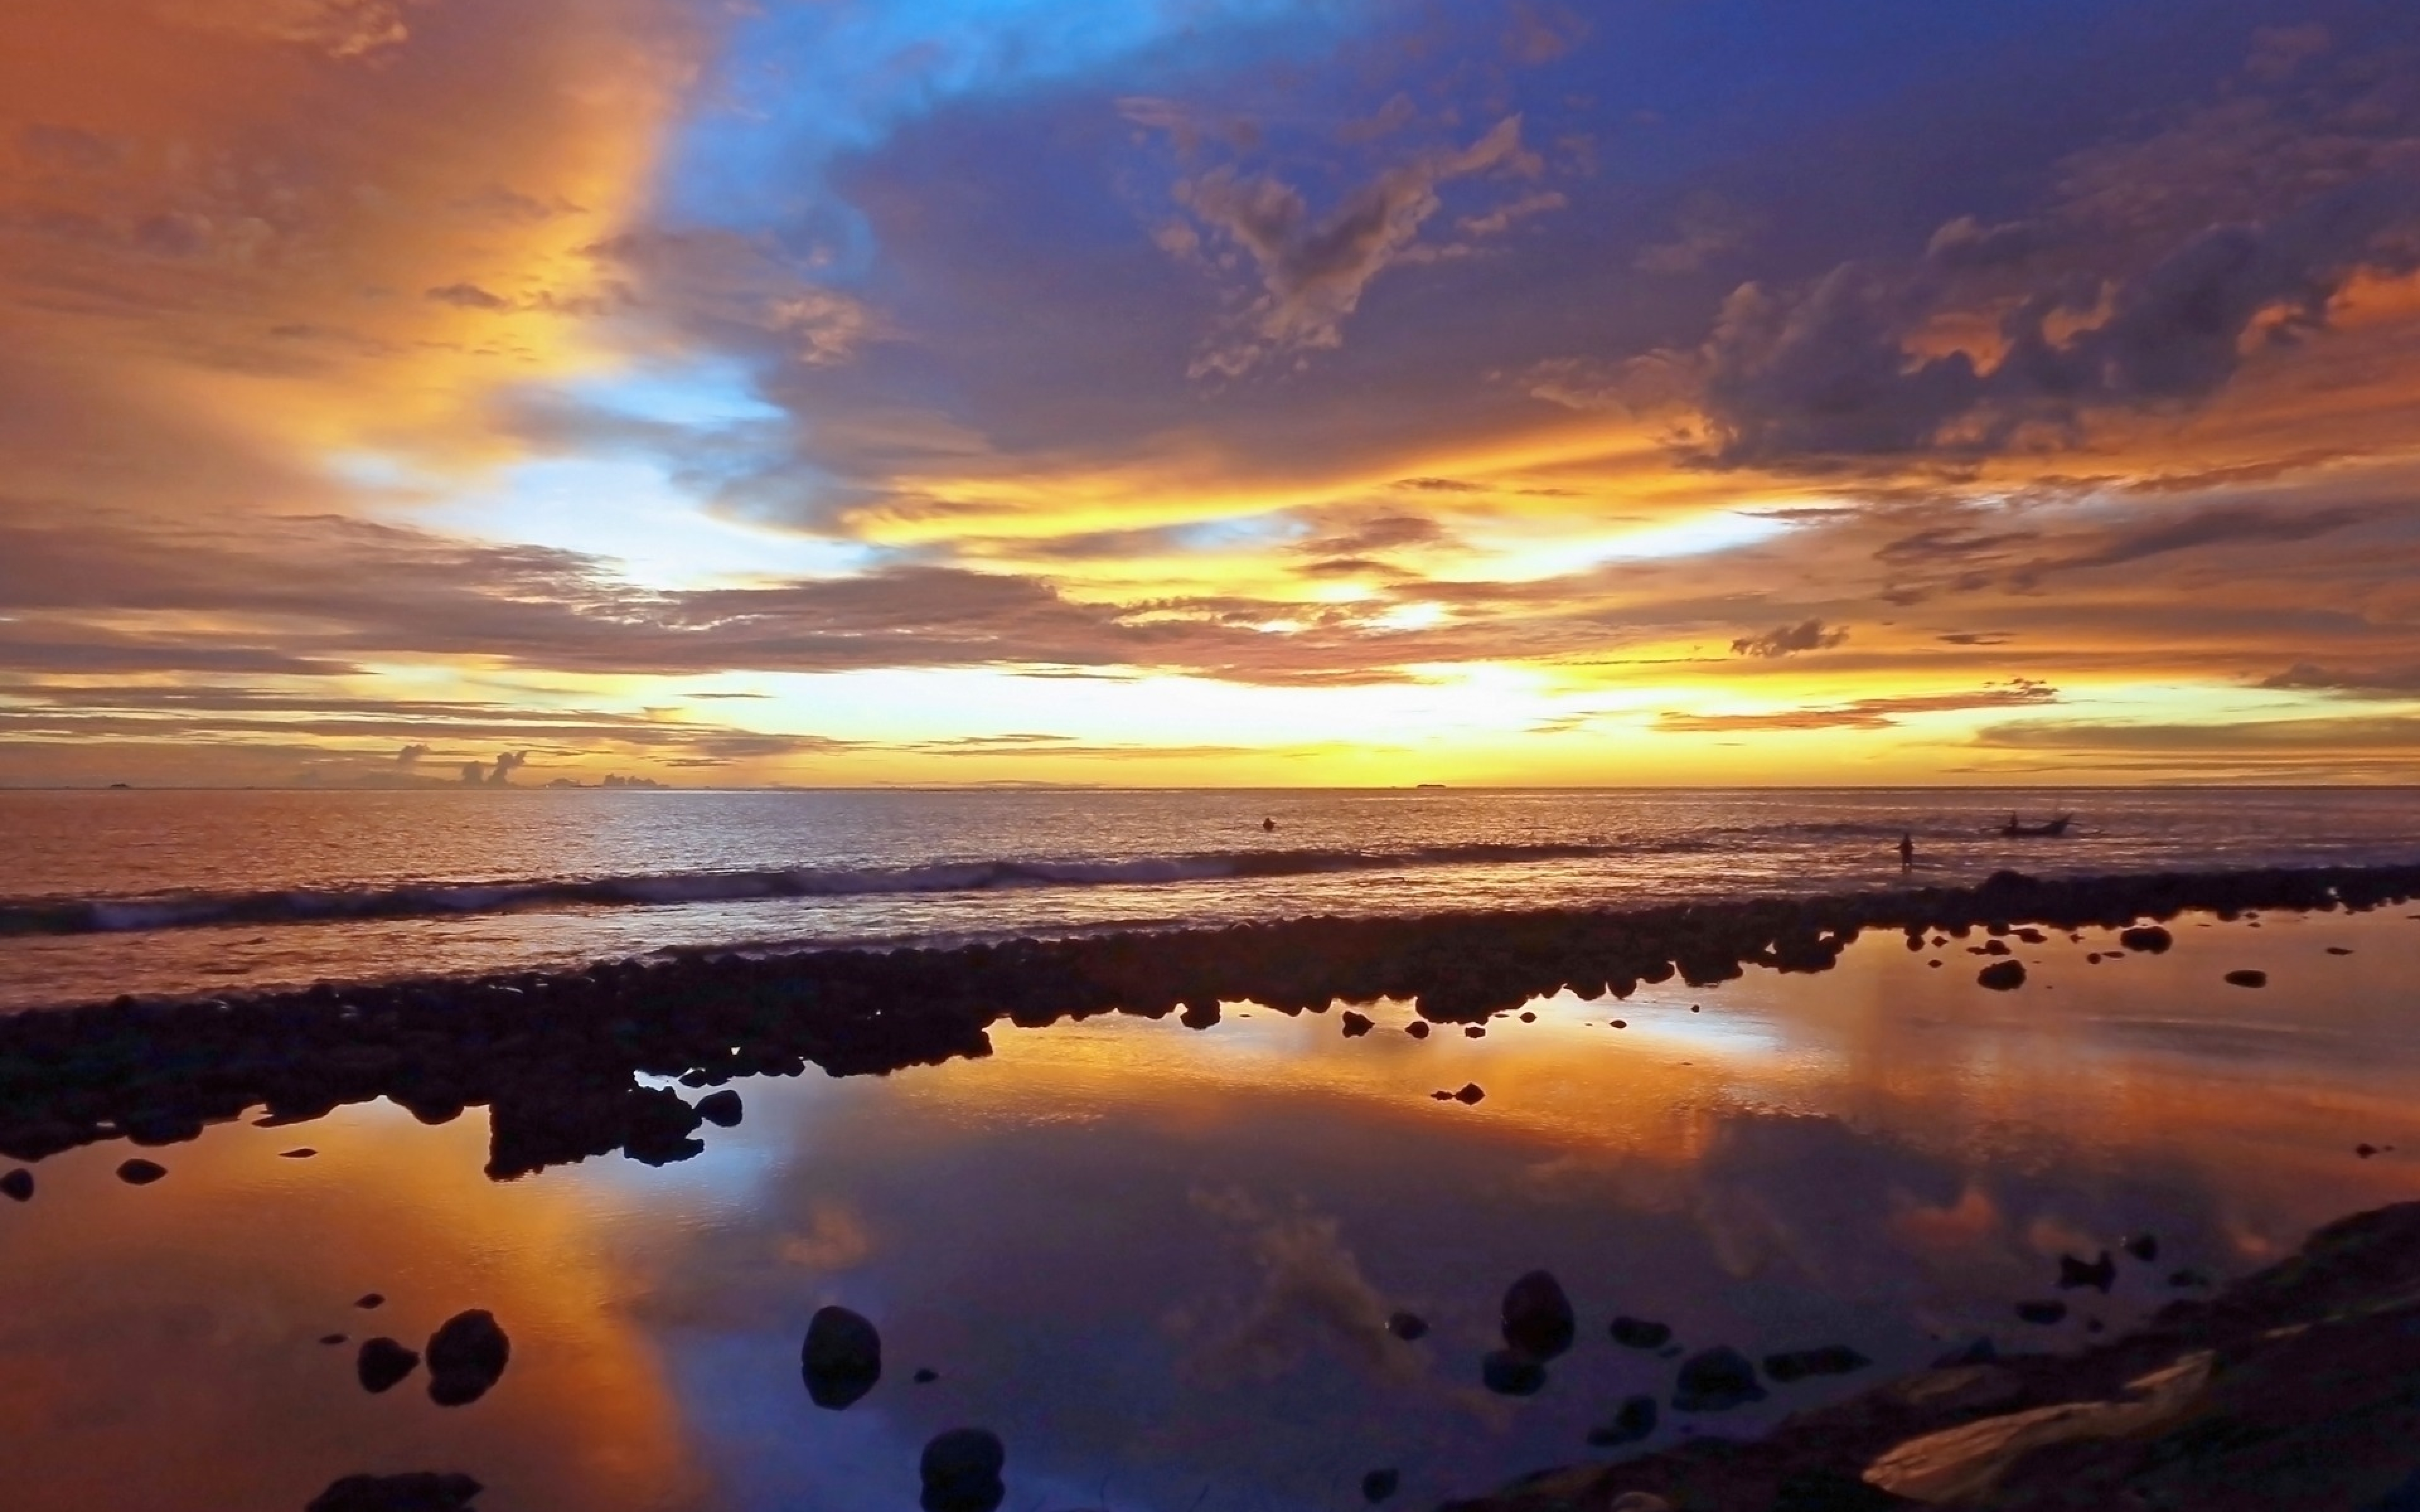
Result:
[{"x": 1149, "y": 1255}]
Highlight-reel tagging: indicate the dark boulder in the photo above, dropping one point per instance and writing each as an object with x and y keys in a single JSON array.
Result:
[
  {"x": 720, "y": 1109},
  {"x": 466, "y": 1357},
  {"x": 1538, "y": 1320},
  {"x": 1826, "y": 1360},
  {"x": 1199, "y": 1015},
  {"x": 1407, "y": 1326},
  {"x": 1379, "y": 1484},
  {"x": 841, "y": 1359},
  {"x": 382, "y": 1362},
  {"x": 1641, "y": 1334},
  {"x": 421, "y": 1491},
  {"x": 1418, "y": 1028},
  {"x": 1469, "y": 1094},
  {"x": 925, "y": 1375},
  {"x": 1634, "y": 1422},
  {"x": 2100, "y": 1275},
  {"x": 140, "y": 1172},
  {"x": 1512, "y": 1373},
  {"x": 370, "y": 1299},
  {"x": 961, "y": 1472},
  {"x": 2002, "y": 976},
  {"x": 18, "y": 1185},
  {"x": 1356, "y": 1025},
  {"x": 305, "y": 1152},
  {"x": 2149, "y": 938},
  {"x": 2143, "y": 1247},
  {"x": 1716, "y": 1380},
  {"x": 2247, "y": 979}
]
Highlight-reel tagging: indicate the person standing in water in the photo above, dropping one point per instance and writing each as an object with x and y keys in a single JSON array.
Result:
[{"x": 1907, "y": 850}]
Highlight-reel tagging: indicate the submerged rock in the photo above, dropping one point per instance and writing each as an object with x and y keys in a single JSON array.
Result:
[
  {"x": 303, "y": 1153},
  {"x": 961, "y": 1472},
  {"x": 2100, "y": 1275},
  {"x": 721, "y": 1109},
  {"x": 1407, "y": 1326},
  {"x": 2149, "y": 938},
  {"x": 2143, "y": 1247},
  {"x": 1826, "y": 1360},
  {"x": 1418, "y": 1028},
  {"x": 2002, "y": 976},
  {"x": 140, "y": 1172},
  {"x": 423, "y": 1490},
  {"x": 1538, "y": 1320},
  {"x": 1379, "y": 1484},
  {"x": 466, "y": 1357},
  {"x": 925, "y": 1376},
  {"x": 2247, "y": 979},
  {"x": 1641, "y": 1334},
  {"x": 1635, "y": 1421},
  {"x": 1716, "y": 1380},
  {"x": 18, "y": 1185},
  {"x": 1512, "y": 1373},
  {"x": 1469, "y": 1094},
  {"x": 370, "y": 1299},
  {"x": 1356, "y": 1025},
  {"x": 841, "y": 1359},
  {"x": 382, "y": 1362}
]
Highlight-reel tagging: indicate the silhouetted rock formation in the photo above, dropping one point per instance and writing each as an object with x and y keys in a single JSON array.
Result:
[
  {"x": 841, "y": 1359},
  {"x": 420, "y": 1491},
  {"x": 466, "y": 1357}
]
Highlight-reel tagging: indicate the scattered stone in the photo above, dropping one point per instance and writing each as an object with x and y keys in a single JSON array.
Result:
[
  {"x": 2143, "y": 1247},
  {"x": 720, "y": 1109},
  {"x": 1538, "y": 1320},
  {"x": 1379, "y": 1484},
  {"x": 1475, "y": 1031},
  {"x": 2364, "y": 1150},
  {"x": 1622, "y": 1024},
  {"x": 370, "y": 1299},
  {"x": 1470, "y": 1094},
  {"x": 1641, "y": 1334},
  {"x": 1991, "y": 948},
  {"x": 2150, "y": 938},
  {"x": 2031, "y": 936},
  {"x": 1418, "y": 1028},
  {"x": 2247, "y": 979},
  {"x": 466, "y": 1357},
  {"x": 18, "y": 1185},
  {"x": 1528, "y": 1017},
  {"x": 303, "y": 1153},
  {"x": 2339, "y": 949},
  {"x": 382, "y": 1362},
  {"x": 1826, "y": 1360},
  {"x": 1357, "y": 1025},
  {"x": 2092, "y": 959},
  {"x": 1693, "y": 1008},
  {"x": 140, "y": 1172},
  {"x": 1635, "y": 1421},
  {"x": 841, "y": 1359},
  {"x": 1441, "y": 1096},
  {"x": 1510, "y": 1373},
  {"x": 332, "y": 1339},
  {"x": 2042, "y": 1312},
  {"x": 2002, "y": 976},
  {"x": 925, "y": 1376},
  {"x": 1716, "y": 1381},
  {"x": 961, "y": 1471},
  {"x": 1407, "y": 1326},
  {"x": 2100, "y": 1275},
  {"x": 420, "y": 1491}
]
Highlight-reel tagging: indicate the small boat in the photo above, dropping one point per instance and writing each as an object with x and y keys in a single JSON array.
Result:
[{"x": 2015, "y": 830}]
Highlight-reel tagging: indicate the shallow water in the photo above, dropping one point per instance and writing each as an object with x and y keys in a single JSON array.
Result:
[
  {"x": 1156, "y": 1260},
  {"x": 160, "y": 892}
]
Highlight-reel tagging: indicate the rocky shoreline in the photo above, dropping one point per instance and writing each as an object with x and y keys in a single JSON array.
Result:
[
  {"x": 2297, "y": 1386},
  {"x": 555, "y": 1057}
]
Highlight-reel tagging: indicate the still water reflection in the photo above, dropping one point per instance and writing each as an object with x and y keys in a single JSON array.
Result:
[{"x": 1158, "y": 1261}]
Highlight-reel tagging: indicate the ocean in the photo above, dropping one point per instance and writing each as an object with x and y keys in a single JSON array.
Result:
[{"x": 154, "y": 892}]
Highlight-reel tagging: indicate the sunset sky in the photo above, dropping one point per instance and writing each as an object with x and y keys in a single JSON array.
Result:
[{"x": 1256, "y": 392}]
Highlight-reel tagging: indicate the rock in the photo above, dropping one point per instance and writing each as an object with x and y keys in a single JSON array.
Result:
[
  {"x": 1634, "y": 1422},
  {"x": 1357, "y": 1025},
  {"x": 466, "y": 1357},
  {"x": 2149, "y": 938},
  {"x": 2339, "y": 949},
  {"x": 1641, "y": 1334},
  {"x": 1826, "y": 1360},
  {"x": 1418, "y": 1028},
  {"x": 1442, "y": 1096},
  {"x": 382, "y": 1362},
  {"x": 1200, "y": 1015},
  {"x": 1716, "y": 1380},
  {"x": 303, "y": 1153},
  {"x": 18, "y": 1185},
  {"x": 720, "y": 1109},
  {"x": 1475, "y": 1031},
  {"x": 2042, "y": 1312},
  {"x": 2030, "y": 936},
  {"x": 2364, "y": 1150},
  {"x": 1469, "y": 1094},
  {"x": 1538, "y": 1318},
  {"x": 2100, "y": 1276},
  {"x": 1407, "y": 1326},
  {"x": 841, "y": 1359},
  {"x": 370, "y": 1299},
  {"x": 420, "y": 1491},
  {"x": 1379, "y": 1484},
  {"x": 1528, "y": 1017},
  {"x": 2247, "y": 979},
  {"x": 2143, "y": 1247},
  {"x": 2002, "y": 976},
  {"x": 961, "y": 1471},
  {"x": 332, "y": 1339},
  {"x": 140, "y": 1172},
  {"x": 1622, "y": 1024},
  {"x": 1510, "y": 1373}
]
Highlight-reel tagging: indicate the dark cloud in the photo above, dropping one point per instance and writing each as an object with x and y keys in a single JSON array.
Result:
[
  {"x": 1782, "y": 640},
  {"x": 2384, "y": 682},
  {"x": 1862, "y": 714}
]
